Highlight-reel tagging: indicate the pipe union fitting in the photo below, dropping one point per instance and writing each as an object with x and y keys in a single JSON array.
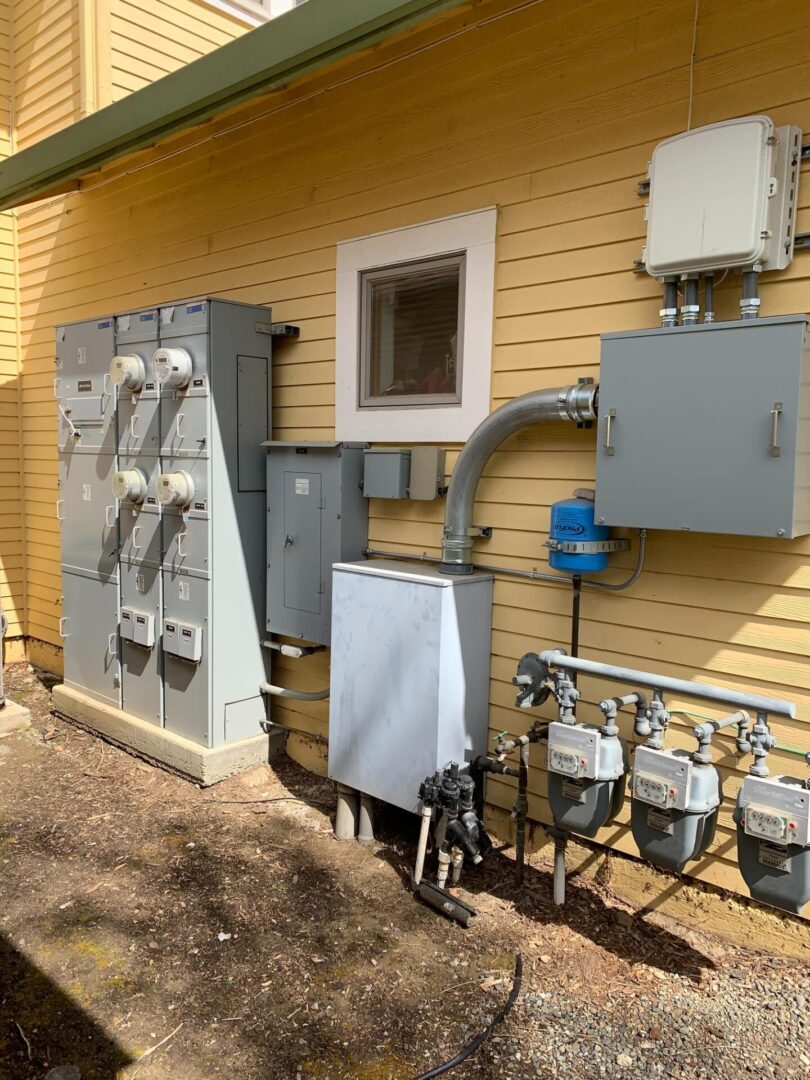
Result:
[{"x": 578, "y": 403}]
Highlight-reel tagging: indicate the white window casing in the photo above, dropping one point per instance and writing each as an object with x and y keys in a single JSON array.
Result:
[{"x": 474, "y": 235}]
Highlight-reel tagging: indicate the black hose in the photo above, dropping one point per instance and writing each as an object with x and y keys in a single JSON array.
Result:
[{"x": 471, "y": 1047}]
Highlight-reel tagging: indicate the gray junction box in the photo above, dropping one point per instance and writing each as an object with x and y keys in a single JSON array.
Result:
[
  {"x": 706, "y": 428},
  {"x": 391, "y": 724},
  {"x": 316, "y": 516}
]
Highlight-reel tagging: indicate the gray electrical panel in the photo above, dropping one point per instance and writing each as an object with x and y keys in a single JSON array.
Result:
[
  {"x": 316, "y": 516},
  {"x": 706, "y": 428},
  {"x": 162, "y": 500},
  {"x": 87, "y": 443},
  {"x": 386, "y": 474}
]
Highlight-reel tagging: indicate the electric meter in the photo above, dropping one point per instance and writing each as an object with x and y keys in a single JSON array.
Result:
[
  {"x": 129, "y": 485},
  {"x": 172, "y": 367},
  {"x": 175, "y": 489},
  {"x": 128, "y": 371}
]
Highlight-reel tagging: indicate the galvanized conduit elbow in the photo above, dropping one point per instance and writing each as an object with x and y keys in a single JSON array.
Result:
[{"x": 576, "y": 403}]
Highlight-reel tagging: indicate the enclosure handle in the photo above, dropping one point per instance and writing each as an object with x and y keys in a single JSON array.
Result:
[
  {"x": 107, "y": 521},
  {"x": 60, "y": 509},
  {"x": 181, "y": 551},
  {"x": 132, "y": 422},
  {"x": 610, "y": 449},
  {"x": 62, "y": 623},
  {"x": 776, "y": 412},
  {"x": 111, "y": 644},
  {"x": 135, "y": 530},
  {"x": 180, "y": 418}
]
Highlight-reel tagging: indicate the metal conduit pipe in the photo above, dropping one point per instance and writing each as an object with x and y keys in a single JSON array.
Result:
[
  {"x": 556, "y": 658},
  {"x": 529, "y": 575},
  {"x": 574, "y": 403},
  {"x": 297, "y": 695}
]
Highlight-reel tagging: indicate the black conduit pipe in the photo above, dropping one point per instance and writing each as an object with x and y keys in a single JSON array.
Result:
[{"x": 479, "y": 1040}]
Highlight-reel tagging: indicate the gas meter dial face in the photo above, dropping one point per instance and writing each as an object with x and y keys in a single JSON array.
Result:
[
  {"x": 175, "y": 489},
  {"x": 128, "y": 371},
  {"x": 650, "y": 790},
  {"x": 129, "y": 484},
  {"x": 765, "y": 823},
  {"x": 563, "y": 761},
  {"x": 172, "y": 368}
]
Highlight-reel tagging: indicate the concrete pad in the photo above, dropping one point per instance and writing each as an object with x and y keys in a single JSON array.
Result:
[
  {"x": 13, "y": 717},
  {"x": 172, "y": 752}
]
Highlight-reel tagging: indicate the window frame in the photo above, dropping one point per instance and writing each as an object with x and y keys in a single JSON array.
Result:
[
  {"x": 368, "y": 278},
  {"x": 471, "y": 234}
]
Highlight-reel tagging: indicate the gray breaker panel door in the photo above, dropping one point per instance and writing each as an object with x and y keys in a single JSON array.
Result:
[
  {"x": 187, "y": 686},
  {"x": 138, "y": 423},
  {"x": 693, "y": 440},
  {"x": 87, "y": 508},
  {"x": 82, "y": 387},
  {"x": 301, "y": 543},
  {"x": 90, "y": 630},
  {"x": 140, "y": 666}
]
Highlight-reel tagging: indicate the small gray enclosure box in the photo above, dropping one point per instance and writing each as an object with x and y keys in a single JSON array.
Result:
[
  {"x": 706, "y": 428},
  {"x": 409, "y": 675},
  {"x": 316, "y": 516},
  {"x": 386, "y": 474}
]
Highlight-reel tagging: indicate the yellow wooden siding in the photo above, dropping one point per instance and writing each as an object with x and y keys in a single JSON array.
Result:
[
  {"x": 46, "y": 67},
  {"x": 12, "y": 586},
  {"x": 549, "y": 111},
  {"x": 151, "y": 38}
]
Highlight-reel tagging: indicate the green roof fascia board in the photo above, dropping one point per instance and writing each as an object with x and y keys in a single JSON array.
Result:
[{"x": 308, "y": 37}]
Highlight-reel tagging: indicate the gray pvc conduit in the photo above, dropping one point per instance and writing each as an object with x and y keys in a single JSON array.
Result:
[
  {"x": 556, "y": 658},
  {"x": 575, "y": 403},
  {"x": 297, "y": 695}
]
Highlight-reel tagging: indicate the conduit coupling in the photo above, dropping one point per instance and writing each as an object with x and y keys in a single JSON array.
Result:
[{"x": 577, "y": 403}]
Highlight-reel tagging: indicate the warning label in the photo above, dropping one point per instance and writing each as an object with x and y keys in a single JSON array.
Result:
[{"x": 301, "y": 486}]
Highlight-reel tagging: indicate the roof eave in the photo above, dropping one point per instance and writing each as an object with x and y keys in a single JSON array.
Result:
[{"x": 305, "y": 39}]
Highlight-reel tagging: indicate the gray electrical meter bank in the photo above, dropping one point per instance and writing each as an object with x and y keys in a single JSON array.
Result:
[
  {"x": 316, "y": 516},
  {"x": 706, "y": 428},
  {"x": 162, "y": 416}
]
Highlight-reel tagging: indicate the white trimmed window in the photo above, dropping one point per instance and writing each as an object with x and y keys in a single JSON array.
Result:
[{"x": 414, "y": 331}]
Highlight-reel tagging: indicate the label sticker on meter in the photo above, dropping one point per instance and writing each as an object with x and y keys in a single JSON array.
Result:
[
  {"x": 301, "y": 486},
  {"x": 660, "y": 820},
  {"x": 184, "y": 590},
  {"x": 774, "y": 855}
]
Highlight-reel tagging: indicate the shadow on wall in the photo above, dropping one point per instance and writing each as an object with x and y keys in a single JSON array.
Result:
[{"x": 41, "y": 1027}]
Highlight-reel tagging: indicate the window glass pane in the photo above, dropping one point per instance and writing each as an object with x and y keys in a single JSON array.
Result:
[{"x": 412, "y": 326}]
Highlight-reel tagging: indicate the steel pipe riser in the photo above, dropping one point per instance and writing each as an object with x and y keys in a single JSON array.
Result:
[
  {"x": 575, "y": 403},
  {"x": 556, "y": 658}
]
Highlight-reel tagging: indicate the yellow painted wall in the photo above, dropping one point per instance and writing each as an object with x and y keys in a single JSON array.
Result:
[
  {"x": 151, "y": 38},
  {"x": 60, "y": 59},
  {"x": 549, "y": 111},
  {"x": 12, "y": 585}
]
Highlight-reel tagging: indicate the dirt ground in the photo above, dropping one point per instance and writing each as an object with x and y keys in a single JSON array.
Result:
[{"x": 149, "y": 928}]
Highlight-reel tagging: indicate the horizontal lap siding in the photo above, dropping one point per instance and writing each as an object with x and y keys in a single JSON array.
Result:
[
  {"x": 551, "y": 112},
  {"x": 152, "y": 38},
  {"x": 11, "y": 542}
]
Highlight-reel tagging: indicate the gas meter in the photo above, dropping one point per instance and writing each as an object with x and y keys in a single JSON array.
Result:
[
  {"x": 585, "y": 771},
  {"x": 773, "y": 839},
  {"x": 674, "y": 810},
  {"x": 173, "y": 368}
]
